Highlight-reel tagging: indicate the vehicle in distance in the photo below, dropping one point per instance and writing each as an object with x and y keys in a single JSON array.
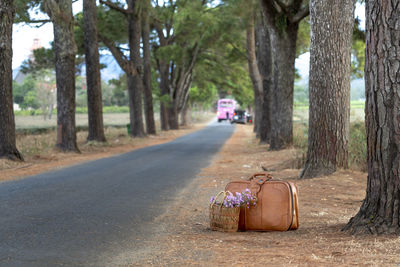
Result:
[{"x": 225, "y": 109}]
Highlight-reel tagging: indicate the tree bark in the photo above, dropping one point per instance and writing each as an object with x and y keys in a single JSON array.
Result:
[
  {"x": 173, "y": 117},
  {"x": 329, "y": 119},
  {"x": 379, "y": 212},
  {"x": 164, "y": 88},
  {"x": 8, "y": 148},
  {"x": 186, "y": 115},
  {"x": 265, "y": 66},
  {"x": 95, "y": 106},
  {"x": 148, "y": 92},
  {"x": 135, "y": 82},
  {"x": 60, "y": 13},
  {"x": 254, "y": 72},
  {"x": 284, "y": 51},
  {"x": 282, "y": 23}
]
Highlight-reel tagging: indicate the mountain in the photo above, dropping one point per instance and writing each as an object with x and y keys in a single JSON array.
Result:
[{"x": 112, "y": 69}]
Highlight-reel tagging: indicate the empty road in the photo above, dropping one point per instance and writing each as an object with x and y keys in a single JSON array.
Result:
[{"x": 88, "y": 214}]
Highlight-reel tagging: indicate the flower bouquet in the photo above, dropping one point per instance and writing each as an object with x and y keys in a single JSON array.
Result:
[{"x": 224, "y": 215}]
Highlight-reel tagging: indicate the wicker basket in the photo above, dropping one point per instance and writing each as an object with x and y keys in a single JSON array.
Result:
[{"x": 222, "y": 218}]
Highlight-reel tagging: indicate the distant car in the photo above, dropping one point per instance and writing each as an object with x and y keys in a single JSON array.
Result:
[{"x": 239, "y": 116}]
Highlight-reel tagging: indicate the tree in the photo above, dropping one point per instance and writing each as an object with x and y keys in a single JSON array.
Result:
[
  {"x": 60, "y": 13},
  {"x": 147, "y": 79},
  {"x": 23, "y": 91},
  {"x": 8, "y": 148},
  {"x": 132, "y": 65},
  {"x": 46, "y": 92},
  {"x": 328, "y": 132},
  {"x": 264, "y": 63},
  {"x": 358, "y": 51},
  {"x": 282, "y": 20},
  {"x": 119, "y": 95},
  {"x": 254, "y": 72},
  {"x": 94, "y": 98},
  {"x": 42, "y": 58},
  {"x": 186, "y": 30},
  {"x": 380, "y": 212}
]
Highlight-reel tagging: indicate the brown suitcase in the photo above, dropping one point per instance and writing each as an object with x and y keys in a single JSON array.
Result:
[{"x": 277, "y": 204}]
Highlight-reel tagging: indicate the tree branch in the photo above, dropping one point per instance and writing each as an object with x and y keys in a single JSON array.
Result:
[
  {"x": 269, "y": 11},
  {"x": 282, "y": 6},
  {"x": 160, "y": 33},
  {"x": 115, "y": 7},
  {"x": 52, "y": 9},
  {"x": 304, "y": 12},
  {"x": 122, "y": 60},
  {"x": 42, "y": 21},
  {"x": 38, "y": 21}
]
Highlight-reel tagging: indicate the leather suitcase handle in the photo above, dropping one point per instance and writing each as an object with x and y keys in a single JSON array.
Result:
[{"x": 261, "y": 175}]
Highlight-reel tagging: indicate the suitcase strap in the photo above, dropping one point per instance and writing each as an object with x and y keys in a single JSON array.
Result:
[{"x": 257, "y": 180}]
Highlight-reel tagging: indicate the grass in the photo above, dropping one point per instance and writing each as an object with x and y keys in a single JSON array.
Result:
[
  {"x": 357, "y": 145},
  {"x": 42, "y": 144},
  {"x": 301, "y": 115},
  {"x": 28, "y": 122},
  {"x": 353, "y": 104}
]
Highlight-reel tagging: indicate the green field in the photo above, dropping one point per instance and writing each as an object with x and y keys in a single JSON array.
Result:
[
  {"x": 110, "y": 119},
  {"x": 300, "y": 113},
  {"x": 26, "y": 122}
]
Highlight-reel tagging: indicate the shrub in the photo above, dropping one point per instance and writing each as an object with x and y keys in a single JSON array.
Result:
[
  {"x": 300, "y": 141},
  {"x": 358, "y": 146},
  {"x": 300, "y": 136},
  {"x": 116, "y": 109}
]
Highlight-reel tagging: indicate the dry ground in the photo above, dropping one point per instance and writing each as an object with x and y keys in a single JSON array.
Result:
[
  {"x": 326, "y": 205},
  {"x": 183, "y": 237}
]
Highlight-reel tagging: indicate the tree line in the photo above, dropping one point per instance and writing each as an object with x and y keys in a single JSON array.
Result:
[{"x": 180, "y": 41}]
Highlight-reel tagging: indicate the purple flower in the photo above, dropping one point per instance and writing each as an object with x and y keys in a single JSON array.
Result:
[
  {"x": 212, "y": 200},
  {"x": 245, "y": 198}
]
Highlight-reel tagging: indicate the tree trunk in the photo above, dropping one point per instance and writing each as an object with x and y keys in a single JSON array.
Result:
[
  {"x": 8, "y": 148},
  {"x": 265, "y": 66},
  {"x": 254, "y": 72},
  {"x": 60, "y": 12},
  {"x": 257, "y": 114},
  {"x": 380, "y": 211},
  {"x": 164, "y": 95},
  {"x": 148, "y": 92},
  {"x": 186, "y": 115},
  {"x": 173, "y": 117},
  {"x": 95, "y": 106},
  {"x": 135, "y": 104},
  {"x": 329, "y": 119},
  {"x": 135, "y": 82},
  {"x": 282, "y": 23},
  {"x": 281, "y": 105}
]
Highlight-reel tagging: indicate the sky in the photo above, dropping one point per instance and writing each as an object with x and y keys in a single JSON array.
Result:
[{"x": 23, "y": 36}]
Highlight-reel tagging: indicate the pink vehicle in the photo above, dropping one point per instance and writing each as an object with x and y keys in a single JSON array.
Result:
[{"x": 225, "y": 109}]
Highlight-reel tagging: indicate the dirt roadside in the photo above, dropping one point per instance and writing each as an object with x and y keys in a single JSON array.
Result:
[
  {"x": 118, "y": 142},
  {"x": 326, "y": 205}
]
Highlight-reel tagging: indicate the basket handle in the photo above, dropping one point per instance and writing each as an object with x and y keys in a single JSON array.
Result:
[{"x": 215, "y": 199}]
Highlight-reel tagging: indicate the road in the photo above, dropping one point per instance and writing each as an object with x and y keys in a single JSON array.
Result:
[{"x": 88, "y": 214}]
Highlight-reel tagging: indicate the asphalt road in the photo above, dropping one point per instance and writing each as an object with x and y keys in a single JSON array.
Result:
[{"x": 90, "y": 213}]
